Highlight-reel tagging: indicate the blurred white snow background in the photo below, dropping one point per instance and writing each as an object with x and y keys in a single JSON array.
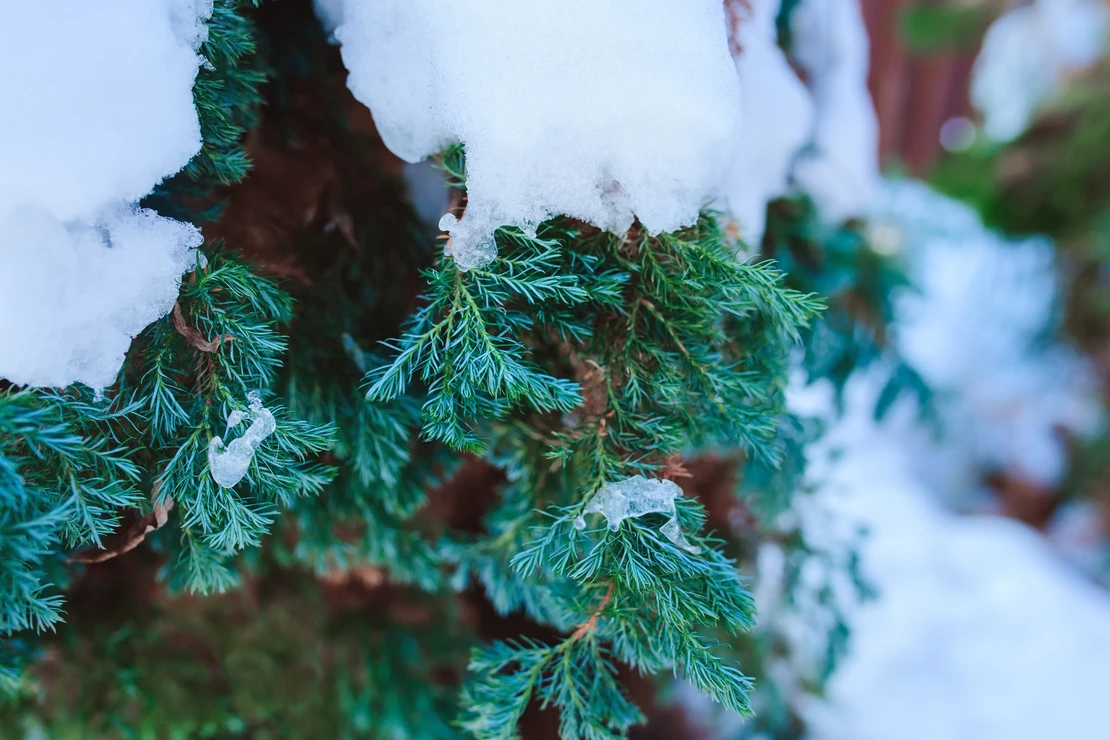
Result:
[{"x": 980, "y": 628}]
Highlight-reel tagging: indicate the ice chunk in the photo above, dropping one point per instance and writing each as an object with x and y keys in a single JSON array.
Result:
[
  {"x": 1027, "y": 53},
  {"x": 635, "y": 497},
  {"x": 101, "y": 108},
  {"x": 603, "y": 111},
  {"x": 778, "y": 119},
  {"x": 831, "y": 45},
  {"x": 72, "y": 296},
  {"x": 228, "y": 463},
  {"x": 235, "y": 418},
  {"x": 469, "y": 250}
]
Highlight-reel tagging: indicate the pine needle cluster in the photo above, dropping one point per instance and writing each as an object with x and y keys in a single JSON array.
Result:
[{"x": 351, "y": 557}]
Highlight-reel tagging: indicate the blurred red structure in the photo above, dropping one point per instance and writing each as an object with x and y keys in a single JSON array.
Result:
[{"x": 914, "y": 94}]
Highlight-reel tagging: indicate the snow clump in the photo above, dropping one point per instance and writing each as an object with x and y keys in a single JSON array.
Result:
[
  {"x": 105, "y": 109},
  {"x": 1027, "y": 53},
  {"x": 778, "y": 120},
  {"x": 602, "y": 111},
  {"x": 841, "y": 173}
]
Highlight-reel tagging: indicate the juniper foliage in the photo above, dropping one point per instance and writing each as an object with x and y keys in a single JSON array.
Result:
[{"x": 576, "y": 359}]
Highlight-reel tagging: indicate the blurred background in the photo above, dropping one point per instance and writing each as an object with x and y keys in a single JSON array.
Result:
[{"x": 983, "y": 522}]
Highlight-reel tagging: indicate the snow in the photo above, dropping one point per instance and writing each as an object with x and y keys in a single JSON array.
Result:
[
  {"x": 980, "y": 629},
  {"x": 1027, "y": 53},
  {"x": 976, "y": 331},
  {"x": 228, "y": 463},
  {"x": 104, "y": 95},
  {"x": 604, "y": 112},
  {"x": 72, "y": 296},
  {"x": 841, "y": 172},
  {"x": 105, "y": 109},
  {"x": 635, "y": 497},
  {"x": 778, "y": 121}
]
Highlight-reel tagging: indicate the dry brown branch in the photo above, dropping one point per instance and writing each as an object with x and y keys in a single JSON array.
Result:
[
  {"x": 193, "y": 336},
  {"x": 134, "y": 535}
]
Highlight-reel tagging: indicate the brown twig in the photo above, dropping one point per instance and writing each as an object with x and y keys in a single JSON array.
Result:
[
  {"x": 134, "y": 536},
  {"x": 193, "y": 336},
  {"x": 591, "y": 623}
]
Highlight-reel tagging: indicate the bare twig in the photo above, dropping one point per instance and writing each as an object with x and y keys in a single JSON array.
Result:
[{"x": 193, "y": 336}]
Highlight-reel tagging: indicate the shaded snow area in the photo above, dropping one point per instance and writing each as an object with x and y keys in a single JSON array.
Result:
[
  {"x": 98, "y": 109},
  {"x": 820, "y": 137},
  {"x": 840, "y": 171},
  {"x": 1027, "y": 53},
  {"x": 979, "y": 630},
  {"x": 980, "y": 332},
  {"x": 603, "y": 111},
  {"x": 778, "y": 118}
]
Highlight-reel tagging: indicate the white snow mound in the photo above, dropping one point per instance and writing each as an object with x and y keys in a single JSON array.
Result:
[
  {"x": 73, "y": 296},
  {"x": 1027, "y": 53},
  {"x": 99, "y": 109},
  {"x": 841, "y": 173},
  {"x": 602, "y": 111}
]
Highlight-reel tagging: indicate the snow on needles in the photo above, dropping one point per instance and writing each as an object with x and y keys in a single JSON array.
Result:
[
  {"x": 604, "y": 112},
  {"x": 98, "y": 109}
]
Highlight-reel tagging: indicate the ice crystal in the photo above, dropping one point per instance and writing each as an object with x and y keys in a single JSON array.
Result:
[
  {"x": 229, "y": 463},
  {"x": 636, "y": 497}
]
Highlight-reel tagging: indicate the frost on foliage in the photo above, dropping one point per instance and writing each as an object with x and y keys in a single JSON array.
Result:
[
  {"x": 778, "y": 119},
  {"x": 635, "y": 497},
  {"x": 228, "y": 463},
  {"x": 603, "y": 111},
  {"x": 1027, "y": 53},
  {"x": 101, "y": 103},
  {"x": 841, "y": 173}
]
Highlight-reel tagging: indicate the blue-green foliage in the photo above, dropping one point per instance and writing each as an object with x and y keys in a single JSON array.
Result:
[
  {"x": 575, "y": 359},
  {"x": 64, "y": 480}
]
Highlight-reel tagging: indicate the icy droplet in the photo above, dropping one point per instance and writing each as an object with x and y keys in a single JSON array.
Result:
[
  {"x": 447, "y": 222},
  {"x": 468, "y": 249},
  {"x": 228, "y": 463},
  {"x": 635, "y": 497}
]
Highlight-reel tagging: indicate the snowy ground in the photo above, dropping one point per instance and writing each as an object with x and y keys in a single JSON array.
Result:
[{"x": 981, "y": 630}]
